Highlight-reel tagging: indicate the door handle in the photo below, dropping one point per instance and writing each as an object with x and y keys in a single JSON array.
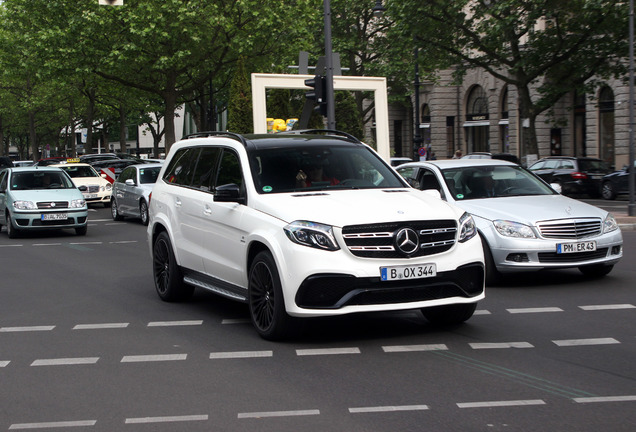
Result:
[
  {"x": 177, "y": 202},
  {"x": 207, "y": 210}
]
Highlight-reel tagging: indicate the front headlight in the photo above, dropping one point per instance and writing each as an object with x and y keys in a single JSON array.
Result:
[
  {"x": 467, "y": 229},
  {"x": 24, "y": 205},
  {"x": 312, "y": 234},
  {"x": 609, "y": 224},
  {"x": 77, "y": 203},
  {"x": 513, "y": 229},
  {"x": 108, "y": 186}
]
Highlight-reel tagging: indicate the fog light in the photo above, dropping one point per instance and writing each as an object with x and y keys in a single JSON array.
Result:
[
  {"x": 616, "y": 250},
  {"x": 517, "y": 257}
]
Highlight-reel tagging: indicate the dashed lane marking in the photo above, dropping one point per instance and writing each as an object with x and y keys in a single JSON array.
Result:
[
  {"x": 500, "y": 345},
  {"x": 278, "y": 414},
  {"x": 535, "y": 310},
  {"x": 65, "y": 361},
  {"x": 240, "y": 354},
  {"x": 4, "y": 363},
  {"x": 388, "y": 409},
  {"x": 100, "y": 326},
  {"x": 608, "y": 307},
  {"x": 26, "y": 329},
  {"x": 508, "y": 403},
  {"x": 627, "y": 398},
  {"x": 153, "y": 358},
  {"x": 237, "y": 321},
  {"x": 174, "y": 323},
  {"x": 414, "y": 348},
  {"x": 327, "y": 351},
  {"x": 167, "y": 419},
  {"x": 49, "y": 425},
  {"x": 580, "y": 342}
]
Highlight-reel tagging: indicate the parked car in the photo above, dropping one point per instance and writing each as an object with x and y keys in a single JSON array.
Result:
[
  {"x": 616, "y": 183},
  {"x": 575, "y": 175},
  {"x": 524, "y": 224},
  {"x": 306, "y": 224},
  {"x": 94, "y": 157},
  {"x": 397, "y": 161},
  {"x": 39, "y": 199},
  {"x": 117, "y": 165},
  {"x": 50, "y": 161},
  {"x": 6, "y": 162},
  {"x": 23, "y": 163},
  {"x": 98, "y": 189},
  {"x": 131, "y": 191},
  {"x": 487, "y": 155}
]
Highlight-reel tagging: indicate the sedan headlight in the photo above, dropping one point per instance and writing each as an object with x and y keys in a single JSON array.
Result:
[
  {"x": 108, "y": 186},
  {"x": 609, "y": 224},
  {"x": 24, "y": 205},
  {"x": 513, "y": 229},
  {"x": 77, "y": 203},
  {"x": 467, "y": 228},
  {"x": 312, "y": 234}
]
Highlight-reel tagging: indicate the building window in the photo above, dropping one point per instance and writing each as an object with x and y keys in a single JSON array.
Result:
[
  {"x": 477, "y": 123},
  {"x": 606, "y": 125}
]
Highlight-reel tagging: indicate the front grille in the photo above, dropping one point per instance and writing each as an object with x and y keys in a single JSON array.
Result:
[
  {"x": 41, "y": 223},
  {"x": 52, "y": 204},
  {"x": 93, "y": 189},
  {"x": 553, "y": 257},
  {"x": 570, "y": 228},
  {"x": 379, "y": 240}
]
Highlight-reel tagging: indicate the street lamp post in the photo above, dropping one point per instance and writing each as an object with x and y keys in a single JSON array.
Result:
[
  {"x": 329, "y": 93},
  {"x": 631, "y": 207}
]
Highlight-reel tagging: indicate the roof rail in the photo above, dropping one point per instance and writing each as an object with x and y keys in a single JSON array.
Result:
[
  {"x": 324, "y": 131},
  {"x": 232, "y": 135}
]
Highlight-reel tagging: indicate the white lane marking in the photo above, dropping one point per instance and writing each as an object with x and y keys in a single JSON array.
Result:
[
  {"x": 86, "y": 243},
  {"x": 47, "y": 244},
  {"x": 535, "y": 310},
  {"x": 388, "y": 409},
  {"x": 26, "y": 329},
  {"x": 414, "y": 348},
  {"x": 608, "y": 307},
  {"x": 46, "y": 425},
  {"x": 124, "y": 242},
  {"x": 579, "y": 342},
  {"x": 279, "y": 414},
  {"x": 482, "y": 312},
  {"x": 499, "y": 345},
  {"x": 628, "y": 398},
  {"x": 237, "y": 321},
  {"x": 240, "y": 354},
  {"x": 65, "y": 361},
  {"x": 167, "y": 419},
  {"x": 327, "y": 351},
  {"x": 153, "y": 358},
  {"x": 11, "y": 245},
  {"x": 4, "y": 363},
  {"x": 174, "y": 323},
  {"x": 500, "y": 403},
  {"x": 100, "y": 326}
]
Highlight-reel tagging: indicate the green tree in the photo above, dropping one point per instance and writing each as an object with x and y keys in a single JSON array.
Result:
[
  {"x": 348, "y": 116},
  {"x": 545, "y": 49},
  {"x": 240, "y": 102}
]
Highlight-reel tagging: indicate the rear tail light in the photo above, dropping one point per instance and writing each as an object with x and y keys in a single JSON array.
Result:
[
  {"x": 149, "y": 198},
  {"x": 579, "y": 176}
]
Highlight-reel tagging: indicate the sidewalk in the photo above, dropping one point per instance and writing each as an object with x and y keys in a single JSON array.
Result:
[{"x": 627, "y": 223}]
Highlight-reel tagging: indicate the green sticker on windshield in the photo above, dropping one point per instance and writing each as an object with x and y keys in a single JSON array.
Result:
[
  {"x": 459, "y": 196},
  {"x": 267, "y": 188}
]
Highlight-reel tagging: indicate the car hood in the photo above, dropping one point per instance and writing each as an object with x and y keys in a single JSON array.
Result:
[
  {"x": 36, "y": 195},
  {"x": 352, "y": 207},
  {"x": 530, "y": 209}
]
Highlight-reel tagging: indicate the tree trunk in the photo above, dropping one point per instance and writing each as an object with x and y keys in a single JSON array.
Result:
[
  {"x": 122, "y": 129},
  {"x": 90, "y": 115},
  {"x": 33, "y": 137},
  {"x": 168, "y": 119}
]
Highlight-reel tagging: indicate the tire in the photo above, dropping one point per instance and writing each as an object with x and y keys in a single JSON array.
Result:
[
  {"x": 143, "y": 212},
  {"x": 449, "y": 314},
  {"x": 81, "y": 231},
  {"x": 167, "y": 275},
  {"x": 266, "y": 302},
  {"x": 114, "y": 212},
  {"x": 596, "y": 270},
  {"x": 608, "y": 191},
  {"x": 492, "y": 274},
  {"x": 12, "y": 232}
]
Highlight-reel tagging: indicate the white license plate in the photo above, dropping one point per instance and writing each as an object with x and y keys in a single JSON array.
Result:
[
  {"x": 54, "y": 216},
  {"x": 90, "y": 196},
  {"x": 408, "y": 272},
  {"x": 588, "y": 246}
]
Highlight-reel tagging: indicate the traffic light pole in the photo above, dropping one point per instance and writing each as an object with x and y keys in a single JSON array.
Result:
[{"x": 331, "y": 109}]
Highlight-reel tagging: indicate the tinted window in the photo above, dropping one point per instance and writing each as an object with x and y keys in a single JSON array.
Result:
[
  {"x": 230, "y": 170},
  {"x": 40, "y": 180},
  {"x": 149, "y": 175},
  {"x": 206, "y": 168},
  {"x": 182, "y": 166},
  {"x": 128, "y": 173},
  {"x": 80, "y": 171},
  {"x": 3, "y": 181}
]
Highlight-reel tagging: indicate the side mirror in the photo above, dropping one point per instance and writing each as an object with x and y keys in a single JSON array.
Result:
[
  {"x": 433, "y": 192},
  {"x": 556, "y": 187},
  {"x": 83, "y": 188},
  {"x": 229, "y": 193},
  {"x": 130, "y": 182}
]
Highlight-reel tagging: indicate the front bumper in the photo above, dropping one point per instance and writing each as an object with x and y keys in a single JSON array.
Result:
[{"x": 33, "y": 220}]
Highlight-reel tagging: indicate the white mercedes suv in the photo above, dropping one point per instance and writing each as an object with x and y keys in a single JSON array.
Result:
[{"x": 305, "y": 224}]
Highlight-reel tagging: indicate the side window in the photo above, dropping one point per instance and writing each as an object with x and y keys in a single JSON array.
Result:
[
  {"x": 3, "y": 181},
  {"x": 428, "y": 180},
  {"x": 128, "y": 173},
  {"x": 206, "y": 168},
  {"x": 567, "y": 164},
  {"x": 230, "y": 170},
  {"x": 182, "y": 167}
]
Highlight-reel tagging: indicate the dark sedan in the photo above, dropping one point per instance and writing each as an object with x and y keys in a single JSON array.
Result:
[
  {"x": 575, "y": 175},
  {"x": 616, "y": 183}
]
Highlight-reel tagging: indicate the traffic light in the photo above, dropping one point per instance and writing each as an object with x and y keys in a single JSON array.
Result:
[{"x": 319, "y": 93}]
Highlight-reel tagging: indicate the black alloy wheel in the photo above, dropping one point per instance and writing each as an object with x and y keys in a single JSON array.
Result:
[{"x": 167, "y": 276}]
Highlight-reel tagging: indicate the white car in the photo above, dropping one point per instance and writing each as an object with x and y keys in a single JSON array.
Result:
[
  {"x": 304, "y": 225},
  {"x": 524, "y": 223},
  {"x": 131, "y": 191},
  {"x": 95, "y": 188}
]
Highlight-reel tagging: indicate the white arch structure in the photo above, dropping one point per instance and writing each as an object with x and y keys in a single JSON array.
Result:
[{"x": 261, "y": 82}]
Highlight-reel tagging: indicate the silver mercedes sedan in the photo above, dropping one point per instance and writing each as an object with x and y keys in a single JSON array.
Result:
[{"x": 523, "y": 222}]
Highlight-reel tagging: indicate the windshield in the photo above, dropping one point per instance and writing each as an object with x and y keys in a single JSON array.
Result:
[
  {"x": 80, "y": 171},
  {"x": 467, "y": 183},
  {"x": 289, "y": 169},
  {"x": 40, "y": 180}
]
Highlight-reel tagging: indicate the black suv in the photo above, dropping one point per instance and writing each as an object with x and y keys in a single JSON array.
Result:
[{"x": 575, "y": 175}]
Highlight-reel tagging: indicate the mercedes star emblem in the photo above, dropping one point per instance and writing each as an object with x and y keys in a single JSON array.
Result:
[{"x": 407, "y": 241}]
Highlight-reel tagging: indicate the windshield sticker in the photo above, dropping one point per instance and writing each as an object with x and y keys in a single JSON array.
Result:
[
  {"x": 459, "y": 196},
  {"x": 267, "y": 189}
]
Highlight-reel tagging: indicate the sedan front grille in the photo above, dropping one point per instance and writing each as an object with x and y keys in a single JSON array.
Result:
[
  {"x": 52, "y": 204},
  {"x": 379, "y": 240},
  {"x": 570, "y": 228},
  {"x": 93, "y": 189}
]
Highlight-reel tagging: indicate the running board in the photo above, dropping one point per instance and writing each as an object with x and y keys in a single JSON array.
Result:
[{"x": 229, "y": 292}]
